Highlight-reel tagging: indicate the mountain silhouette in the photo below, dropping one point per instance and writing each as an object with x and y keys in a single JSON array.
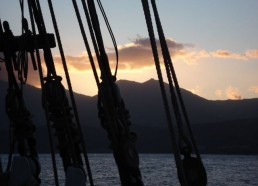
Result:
[{"x": 229, "y": 126}]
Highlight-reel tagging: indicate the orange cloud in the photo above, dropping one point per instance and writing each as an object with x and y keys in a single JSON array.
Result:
[
  {"x": 192, "y": 57},
  {"x": 197, "y": 90},
  {"x": 132, "y": 56},
  {"x": 78, "y": 63},
  {"x": 138, "y": 55},
  {"x": 218, "y": 93},
  {"x": 228, "y": 55},
  {"x": 233, "y": 93},
  {"x": 248, "y": 54},
  {"x": 252, "y": 54}
]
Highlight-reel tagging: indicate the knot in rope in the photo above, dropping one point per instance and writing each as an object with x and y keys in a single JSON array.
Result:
[{"x": 54, "y": 97}]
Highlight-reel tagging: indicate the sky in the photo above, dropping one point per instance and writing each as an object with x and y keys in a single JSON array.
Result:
[{"x": 213, "y": 44}]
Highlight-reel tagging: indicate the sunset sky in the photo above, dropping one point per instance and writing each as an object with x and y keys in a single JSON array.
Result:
[{"x": 213, "y": 44}]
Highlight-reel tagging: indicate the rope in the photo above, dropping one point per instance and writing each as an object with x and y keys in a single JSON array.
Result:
[
  {"x": 21, "y": 127},
  {"x": 42, "y": 83},
  {"x": 111, "y": 34},
  {"x": 7, "y": 38},
  {"x": 192, "y": 174},
  {"x": 42, "y": 31},
  {"x": 103, "y": 61},
  {"x": 112, "y": 113},
  {"x": 166, "y": 57},
  {"x": 70, "y": 89},
  {"x": 22, "y": 11},
  {"x": 92, "y": 34},
  {"x": 22, "y": 67},
  {"x": 104, "y": 67},
  {"x": 86, "y": 42},
  {"x": 22, "y": 60},
  {"x": 105, "y": 71},
  {"x": 166, "y": 53},
  {"x": 163, "y": 92},
  {"x": 56, "y": 103}
]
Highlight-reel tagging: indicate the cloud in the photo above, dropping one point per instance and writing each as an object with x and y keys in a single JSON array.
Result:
[
  {"x": 138, "y": 54},
  {"x": 252, "y": 54},
  {"x": 134, "y": 55},
  {"x": 228, "y": 55},
  {"x": 198, "y": 91},
  {"x": 254, "y": 89},
  {"x": 192, "y": 57},
  {"x": 74, "y": 63},
  {"x": 218, "y": 93},
  {"x": 233, "y": 93},
  {"x": 248, "y": 54}
]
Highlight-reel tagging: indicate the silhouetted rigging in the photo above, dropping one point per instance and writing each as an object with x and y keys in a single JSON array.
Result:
[
  {"x": 112, "y": 112},
  {"x": 191, "y": 171}
]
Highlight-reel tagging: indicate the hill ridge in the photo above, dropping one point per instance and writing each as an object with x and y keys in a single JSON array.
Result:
[{"x": 229, "y": 118}]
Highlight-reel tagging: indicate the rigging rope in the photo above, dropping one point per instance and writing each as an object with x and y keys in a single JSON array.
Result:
[
  {"x": 55, "y": 100},
  {"x": 51, "y": 71},
  {"x": 22, "y": 128},
  {"x": 113, "y": 115},
  {"x": 111, "y": 34},
  {"x": 38, "y": 59},
  {"x": 200, "y": 176},
  {"x": 168, "y": 58},
  {"x": 56, "y": 104},
  {"x": 22, "y": 59},
  {"x": 178, "y": 161},
  {"x": 70, "y": 89},
  {"x": 192, "y": 170},
  {"x": 76, "y": 9}
]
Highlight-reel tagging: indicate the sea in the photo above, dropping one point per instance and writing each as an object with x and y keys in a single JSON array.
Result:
[{"x": 159, "y": 170}]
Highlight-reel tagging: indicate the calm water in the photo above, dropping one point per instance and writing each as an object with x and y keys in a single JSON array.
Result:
[{"x": 157, "y": 169}]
